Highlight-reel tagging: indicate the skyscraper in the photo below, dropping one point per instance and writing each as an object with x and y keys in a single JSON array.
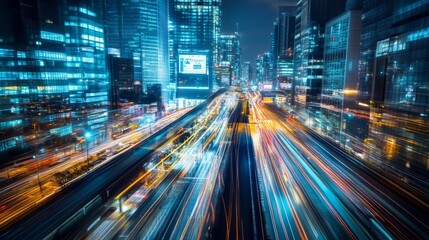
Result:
[
  {"x": 394, "y": 76},
  {"x": 340, "y": 77},
  {"x": 53, "y": 71},
  {"x": 283, "y": 36},
  {"x": 311, "y": 18},
  {"x": 264, "y": 69},
  {"x": 194, "y": 34},
  {"x": 247, "y": 73},
  {"x": 286, "y": 23},
  {"x": 259, "y": 70},
  {"x": 230, "y": 54},
  {"x": 86, "y": 65},
  {"x": 122, "y": 87},
  {"x": 139, "y": 29},
  {"x": 282, "y": 49},
  {"x": 285, "y": 76}
]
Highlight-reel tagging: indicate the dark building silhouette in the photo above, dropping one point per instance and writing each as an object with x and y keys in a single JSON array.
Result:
[
  {"x": 122, "y": 83},
  {"x": 282, "y": 45}
]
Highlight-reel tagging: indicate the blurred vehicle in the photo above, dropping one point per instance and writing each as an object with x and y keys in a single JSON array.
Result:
[{"x": 121, "y": 133}]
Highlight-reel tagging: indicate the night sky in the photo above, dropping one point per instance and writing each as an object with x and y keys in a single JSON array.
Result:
[{"x": 255, "y": 18}]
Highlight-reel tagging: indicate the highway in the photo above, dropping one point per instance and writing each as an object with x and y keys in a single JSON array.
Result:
[
  {"x": 240, "y": 216},
  {"x": 312, "y": 189},
  {"x": 232, "y": 168},
  {"x": 22, "y": 194},
  {"x": 178, "y": 201},
  {"x": 92, "y": 187}
]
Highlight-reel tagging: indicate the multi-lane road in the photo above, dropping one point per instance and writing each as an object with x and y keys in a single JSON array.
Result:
[
  {"x": 22, "y": 194},
  {"x": 312, "y": 189},
  {"x": 174, "y": 200},
  {"x": 240, "y": 215},
  {"x": 75, "y": 200},
  {"x": 233, "y": 168}
]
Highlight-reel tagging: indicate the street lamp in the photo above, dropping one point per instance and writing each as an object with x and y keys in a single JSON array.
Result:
[
  {"x": 87, "y": 138},
  {"x": 38, "y": 173},
  {"x": 149, "y": 121}
]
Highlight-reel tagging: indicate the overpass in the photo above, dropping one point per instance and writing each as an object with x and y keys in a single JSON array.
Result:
[{"x": 52, "y": 218}]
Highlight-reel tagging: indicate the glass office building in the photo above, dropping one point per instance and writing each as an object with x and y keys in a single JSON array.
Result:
[
  {"x": 247, "y": 73},
  {"x": 224, "y": 74},
  {"x": 139, "y": 30},
  {"x": 86, "y": 63},
  {"x": 230, "y": 54},
  {"x": 264, "y": 67},
  {"x": 283, "y": 43},
  {"x": 123, "y": 91},
  {"x": 259, "y": 70},
  {"x": 340, "y": 78},
  {"x": 53, "y": 78},
  {"x": 310, "y": 21},
  {"x": 285, "y": 75},
  {"x": 195, "y": 30},
  {"x": 395, "y": 53}
]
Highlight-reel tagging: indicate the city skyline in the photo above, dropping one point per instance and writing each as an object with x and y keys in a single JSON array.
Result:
[
  {"x": 255, "y": 31},
  {"x": 211, "y": 119}
]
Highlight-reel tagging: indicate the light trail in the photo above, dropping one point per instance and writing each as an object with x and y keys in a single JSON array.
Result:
[
  {"x": 185, "y": 190},
  {"x": 23, "y": 195},
  {"x": 324, "y": 197}
]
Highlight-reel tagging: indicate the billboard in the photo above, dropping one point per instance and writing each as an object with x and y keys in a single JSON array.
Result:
[
  {"x": 286, "y": 86},
  {"x": 192, "y": 64},
  {"x": 267, "y": 87}
]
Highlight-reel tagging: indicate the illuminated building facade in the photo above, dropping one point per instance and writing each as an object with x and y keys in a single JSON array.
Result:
[
  {"x": 247, "y": 73},
  {"x": 285, "y": 76},
  {"x": 224, "y": 74},
  {"x": 286, "y": 30},
  {"x": 311, "y": 17},
  {"x": 340, "y": 78},
  {"x": 53, "y": 71},
  {"x": 139, "y": 29},
  {"x": 282, "y": 45},
  {"x": 194, "y": 30},
  {"x": 264, "y": 69},
  {"x": 259, "y": 70},
  {"x": 285, "y": 70},
  {"x": 230, "y": 54},
  {"x": 395, "y": 49},
  {"x": 86, "y": 63}
]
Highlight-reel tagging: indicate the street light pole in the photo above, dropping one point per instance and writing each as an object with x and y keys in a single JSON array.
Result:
[
  {"x": 38, "y": 174},
  {"x": 149, "y": 120},
  {"x": 87, "y": 153},
  {"x": 87, "y": 138}
]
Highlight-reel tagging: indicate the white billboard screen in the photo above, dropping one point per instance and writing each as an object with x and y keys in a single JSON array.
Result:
[
  {"x": 286, "y": 86},
  {"x": 193, "y": 64}
]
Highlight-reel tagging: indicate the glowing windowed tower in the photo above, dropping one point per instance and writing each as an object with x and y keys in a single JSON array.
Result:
[
  {"x": 394, "y": 83},
  {"x": 139, "y": 30},
  {"x": 195, "y": 32},
  {"x": 311, "y": 17},
  {"x": 53, "y": 71}
]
